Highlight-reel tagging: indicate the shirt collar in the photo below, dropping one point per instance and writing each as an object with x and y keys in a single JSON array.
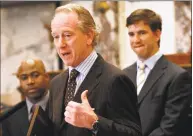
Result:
[
  {"x": 42, "y": 102},
  {"x": 83, "y": 67},
  {"x": 150, "y": 62}
]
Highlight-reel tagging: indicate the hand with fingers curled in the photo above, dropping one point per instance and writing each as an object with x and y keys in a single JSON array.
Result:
[{"x": 80, "y": 114}]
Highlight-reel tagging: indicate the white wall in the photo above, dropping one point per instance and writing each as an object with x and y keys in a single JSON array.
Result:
[{"x": 166, "y": 11}]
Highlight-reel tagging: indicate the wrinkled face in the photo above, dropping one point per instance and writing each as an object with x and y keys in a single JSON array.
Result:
[
  {"x": 72, "y": 45},
  {"x": 33, "y": 82},
  {"x": 143, "y": 40}
]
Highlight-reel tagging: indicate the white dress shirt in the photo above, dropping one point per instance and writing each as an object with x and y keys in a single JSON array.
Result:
[
  {"x": 84, "y": 67},
  {"x": 42, "y": 103},
  {"x": 150, "y": 63}
]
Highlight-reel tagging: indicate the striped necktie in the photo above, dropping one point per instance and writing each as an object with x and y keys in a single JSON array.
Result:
[
  {"x": 32, "y": 111},
  {"x": 140, "y": 77}
]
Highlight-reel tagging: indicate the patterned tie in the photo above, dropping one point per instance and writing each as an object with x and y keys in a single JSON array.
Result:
[
  {"x": 32, "y": 111},
  {"x": 71, "y": 86},
  {"x": 140, "y": 77}
]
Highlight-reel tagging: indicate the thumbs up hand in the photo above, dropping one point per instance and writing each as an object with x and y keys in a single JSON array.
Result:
[
  {"x": 85, "y": 99},
  {"x": 80, "y": 114}
]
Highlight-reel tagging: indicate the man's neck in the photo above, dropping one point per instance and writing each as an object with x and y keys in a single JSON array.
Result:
[{"x": 36, "y": 100}]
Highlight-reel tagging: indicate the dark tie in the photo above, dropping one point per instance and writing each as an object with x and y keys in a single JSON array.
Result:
[
  {"x": 32, "y": 111},
  {"x": 71, "y": 86}
]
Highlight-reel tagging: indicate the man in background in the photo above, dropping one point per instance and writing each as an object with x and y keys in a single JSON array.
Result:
[
  {"x": 163, "y": 88},
  {"x": 34, "y": 82},
  {"x": 108, "y": 106}
]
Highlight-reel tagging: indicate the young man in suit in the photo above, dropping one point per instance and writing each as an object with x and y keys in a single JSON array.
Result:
[
  {"x": 100, "y": 100},
  {"x": 163, "y": 88},
  {"x": 34, "y": 83}
]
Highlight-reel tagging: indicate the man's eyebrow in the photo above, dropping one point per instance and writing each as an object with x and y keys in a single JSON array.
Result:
[
  {"x": 142, "y": 30},
  {"x": 23, "y": 74},
  {"x": 130, "y": 32}
]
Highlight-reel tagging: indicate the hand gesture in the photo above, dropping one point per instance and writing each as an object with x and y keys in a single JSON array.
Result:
[{"x": 80, "y": 114}]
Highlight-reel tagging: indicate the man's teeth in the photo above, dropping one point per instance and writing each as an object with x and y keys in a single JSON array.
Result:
[{"x": 64, "y": 54}]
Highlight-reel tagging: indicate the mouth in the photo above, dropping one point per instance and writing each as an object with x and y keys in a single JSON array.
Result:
[
  {"x": 65, "y": 54},
  {"x": 32, "y": 90},
  {"x": 138, "y": 46}
]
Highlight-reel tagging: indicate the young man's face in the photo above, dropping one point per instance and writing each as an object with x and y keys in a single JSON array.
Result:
[
  {"x": 143, "y": 40},
  {"x": 72, "y": 45},
  {"x": 33, "y": 82}
]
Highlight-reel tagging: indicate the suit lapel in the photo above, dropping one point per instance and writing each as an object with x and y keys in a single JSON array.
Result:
[
  {"x": 89, "y": 83},
  {"x": 59, "y": 98},
  {"x": 91, "y": 80},
  {"x": 154, "y": 75},
  {"x": 23, "y": 120}
]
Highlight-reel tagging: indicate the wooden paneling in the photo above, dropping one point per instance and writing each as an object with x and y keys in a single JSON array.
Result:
[{"x": 182, "y": 59}]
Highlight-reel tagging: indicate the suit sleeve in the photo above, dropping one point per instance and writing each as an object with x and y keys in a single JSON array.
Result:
[
  {"x": 123, "y": 117},
  {"x": 176, "y": 107}
]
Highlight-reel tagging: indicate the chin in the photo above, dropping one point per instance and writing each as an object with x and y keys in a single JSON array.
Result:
[
  {"x": 36, "y": 95},
  {"x": 70, "y": 64},
  {"x": 67, "y": 63},
  {"x": 140, "y": 56}
]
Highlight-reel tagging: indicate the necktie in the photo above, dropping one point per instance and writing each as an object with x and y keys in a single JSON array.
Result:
[
  {"x": 71, "y": 86},
  {"x": 32, "y": 111},
  {"x": 140, "y": 77}
]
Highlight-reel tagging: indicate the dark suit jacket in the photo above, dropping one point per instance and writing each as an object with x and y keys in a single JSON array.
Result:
[
  {"x": 110, "y": 92},
  {"x": 164, "y": 99},
  {"x": 17, "y": 123}
]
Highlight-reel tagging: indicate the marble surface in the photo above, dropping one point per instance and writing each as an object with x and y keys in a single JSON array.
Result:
[
  {"x": 183, "y": 17},
  {"x": 23, "y": 35}
]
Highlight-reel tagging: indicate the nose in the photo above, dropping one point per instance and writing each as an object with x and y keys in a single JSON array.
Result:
[
  {"x": 61, "y": 42},
  {"x": 136, "y": 38},
  {"x": 30, "y": 81}
]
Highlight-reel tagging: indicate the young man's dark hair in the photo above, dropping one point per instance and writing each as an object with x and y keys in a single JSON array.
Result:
[{"x": 148, "y": 16}]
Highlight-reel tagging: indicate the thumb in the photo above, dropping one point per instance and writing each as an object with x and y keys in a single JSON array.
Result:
[{"x": 84, "y": 98}]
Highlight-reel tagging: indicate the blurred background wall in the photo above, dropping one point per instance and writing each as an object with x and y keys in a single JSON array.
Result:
[{"x": 25, "y": 33}]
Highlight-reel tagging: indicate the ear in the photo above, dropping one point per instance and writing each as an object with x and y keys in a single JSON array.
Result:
[
  {"x": 90, "y": 37},
  {"x": 157, "y": 34},
  {"x": 47, "y": 76}
]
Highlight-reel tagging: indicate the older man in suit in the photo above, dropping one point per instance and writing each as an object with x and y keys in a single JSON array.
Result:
[
  {"x": 163, "y": 88},
  {"x": 108, "y": 106},
  {"x": 34, "y": 85}
]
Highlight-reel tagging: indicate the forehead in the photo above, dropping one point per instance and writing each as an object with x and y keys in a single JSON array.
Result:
[
  {"x": 140, "y": 25},
  {"x": 65, "y": 20},
  {"x": 29, "y": 68}
]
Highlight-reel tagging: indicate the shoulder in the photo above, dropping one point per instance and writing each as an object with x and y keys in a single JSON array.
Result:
[
  {"x": 112, "y": 70},
  {"x": 12, "y": 112},
  {"x": 175, "y": 70},
  {"x": 106, "y": 68},
  {"x": 58, "y": 77},
  {"x": 109, "y": 71},
  {"x": 130, "y": 68},
  {"x": 172, "y": 73},
  {"x": 115, "y": 74}
]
